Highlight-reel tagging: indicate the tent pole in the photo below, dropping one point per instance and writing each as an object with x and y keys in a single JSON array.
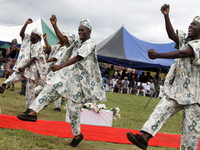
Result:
[{"x": 156, "y": 88}]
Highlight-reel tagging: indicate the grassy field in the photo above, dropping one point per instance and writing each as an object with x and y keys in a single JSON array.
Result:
[{"x": 133, "y": 116}]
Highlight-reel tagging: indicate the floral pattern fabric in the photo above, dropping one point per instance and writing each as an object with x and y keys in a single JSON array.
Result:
[
  {"x": 27, "y": 52},
  {"x": 167, "y": 108},
  {"x": 81, "y": 81},
  {"x": 48, "y": 95},
  {"x": 62, "y": 54},
  {"x": 183, "y": 80}
]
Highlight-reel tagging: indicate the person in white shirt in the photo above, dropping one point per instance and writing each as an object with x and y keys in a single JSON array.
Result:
[{"x": 125, "y": 84}]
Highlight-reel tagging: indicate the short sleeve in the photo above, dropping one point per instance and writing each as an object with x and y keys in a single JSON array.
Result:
[
  {"x": 37, "y": 51},
  {"x": 182, "y": 37},
  {"x": 58, "y": 54},
  {"x": 86, "y": 48},
  {"x": 195, "y": 44}
]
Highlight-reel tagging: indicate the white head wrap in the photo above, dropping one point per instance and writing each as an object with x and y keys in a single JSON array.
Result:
[
  {"x": 197, "y": 18},
  {"x": 87, "y": 23},
  {"x": 37, "y": 31}
]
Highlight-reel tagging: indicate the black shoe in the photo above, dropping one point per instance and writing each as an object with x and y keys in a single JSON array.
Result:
[
  {"x": 27, "y": 118},
  {"x": 1, "y": 90},
  {"x": 137, "y": 140},
  {"x": 75, "y": 142},
  {"x": 57, "y": 109},
  {"x": 21, "y": 93},
  {"x": 27, "y": 111}
]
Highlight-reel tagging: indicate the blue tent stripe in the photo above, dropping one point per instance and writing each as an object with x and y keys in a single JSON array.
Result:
[
  {"x": 132, "y": 64},
  {"x": 136, "y": 49}
]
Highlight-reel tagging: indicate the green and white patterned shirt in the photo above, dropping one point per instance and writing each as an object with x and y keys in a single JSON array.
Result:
[
  {"x": 183, "y": 80},
  {"x": 82, "y": 81},
  {"x": 38, "y": 68}
]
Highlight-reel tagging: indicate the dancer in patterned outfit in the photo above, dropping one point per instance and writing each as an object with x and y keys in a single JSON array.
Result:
[
  {"x": 30, "y": 65},
  {"x": 58, "y": 55},
  {"x": 78, "y": 79},
  {"x": 181, "y": 87}
]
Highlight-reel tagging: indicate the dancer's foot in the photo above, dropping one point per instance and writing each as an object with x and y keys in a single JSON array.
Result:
[
  {"x": 21, "y": 93},
  {"x": 12, "y": 89},
  {"x": 2, "y": 88},
  {"x": 32, "y": 116},
  {"x": 76, "y": 140},
  {"x": 57, "y": 109},
  {"x": 27, "y": 118},
  {"x": 138, "y": 140},
  {"x": 27, "y": 111}
]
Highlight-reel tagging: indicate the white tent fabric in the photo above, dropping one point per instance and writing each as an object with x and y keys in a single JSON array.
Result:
[{"x": 7, "y": 33}]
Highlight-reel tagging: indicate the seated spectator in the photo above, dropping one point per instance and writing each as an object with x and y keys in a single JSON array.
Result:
[
  {"x": 142, "y": 77},
  {"x": 152, "y": 87},
  {"x": 104, "y": 79},
  {"x": 125, "y": 85},
  {"x": 140, "y": 87},
  {"x": 132, "y": 86},
  {"x": 114, "y": 81},
  {"x": 117, "y": 87},
  {"x": 111, "y": 83},
  {"x": 148, "y": 90},
  {"x": 117, "y": 73},
  {"x": 161, "y": 90}
]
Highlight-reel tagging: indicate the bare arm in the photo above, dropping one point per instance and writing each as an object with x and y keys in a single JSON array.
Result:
[
  {"x": 29, "y": 20},
  {"x": 46, "y": 42},
  {"x": 67, "y": 63},
  {"x": 171, "y": 55},
  {"x": 13, "y": 48},
  {"x": 169, "y": 28},
  {"x": 60, "y": 36},
  {"x": 26, "y": 65},
  {"x": 51, "y": 59}
]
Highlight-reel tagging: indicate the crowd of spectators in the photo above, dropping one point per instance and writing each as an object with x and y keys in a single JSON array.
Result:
[{"x": 123, "y": 81}]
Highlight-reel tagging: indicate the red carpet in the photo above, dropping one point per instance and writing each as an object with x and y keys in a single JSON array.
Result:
[{"x": 92, "y": 133}]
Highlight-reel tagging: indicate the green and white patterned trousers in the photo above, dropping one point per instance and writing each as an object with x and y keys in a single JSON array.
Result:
[
  {"x": 165, "y": 109},
  {"x": 48, "y": 95},
  {"x": 57, "y": 102},
  {"x": 30, "y": 94}
]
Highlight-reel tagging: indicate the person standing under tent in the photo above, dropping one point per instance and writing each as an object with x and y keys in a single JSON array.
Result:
[
  {"x": 12, "y": 55},
  {"x": 181, "y": 87}
]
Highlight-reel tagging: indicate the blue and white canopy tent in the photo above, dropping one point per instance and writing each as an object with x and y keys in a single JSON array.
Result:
[{"x": 123, "y": 49}]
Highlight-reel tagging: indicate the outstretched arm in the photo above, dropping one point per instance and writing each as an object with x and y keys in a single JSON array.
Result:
[
  {"x": 60, "y": 36},
  {"x": 46, "y": 42},
  {"x": 170, "y": 30},
  {"x": 67, "y": 63},
  {"x": 29, "y": 20},
  {"x": 171, "y": 55}
]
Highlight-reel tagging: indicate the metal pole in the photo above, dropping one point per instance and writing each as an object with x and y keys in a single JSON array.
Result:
[{"x": 156, "y": 89}]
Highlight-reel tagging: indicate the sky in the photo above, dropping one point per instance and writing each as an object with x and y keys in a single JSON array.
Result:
[{"x": 142, "y": 18}]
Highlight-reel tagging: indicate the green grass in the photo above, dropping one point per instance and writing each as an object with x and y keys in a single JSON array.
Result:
[{"x": 133, "y": 116}]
